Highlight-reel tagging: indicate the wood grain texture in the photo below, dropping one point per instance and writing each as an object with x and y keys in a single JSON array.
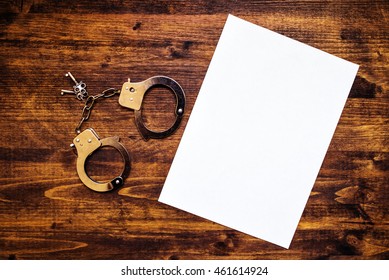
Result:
[{"x": 45, "y": 211}]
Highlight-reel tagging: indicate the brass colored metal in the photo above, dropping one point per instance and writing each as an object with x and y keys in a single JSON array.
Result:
[
  {"x": 86, "y": 143},
  {"x": 131, "y": 96}
]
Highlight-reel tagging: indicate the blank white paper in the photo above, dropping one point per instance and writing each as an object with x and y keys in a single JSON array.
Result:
[{"x": 258, "y": 132}]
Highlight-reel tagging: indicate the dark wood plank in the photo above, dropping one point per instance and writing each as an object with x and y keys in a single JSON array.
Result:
[{"x": 45, "y": 211}]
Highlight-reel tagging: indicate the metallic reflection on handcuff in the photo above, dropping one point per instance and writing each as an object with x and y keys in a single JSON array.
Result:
[{"x": 131, "y": 96}]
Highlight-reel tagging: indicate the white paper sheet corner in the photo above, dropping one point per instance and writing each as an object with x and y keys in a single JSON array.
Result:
[{"x": 259, "y": 131}]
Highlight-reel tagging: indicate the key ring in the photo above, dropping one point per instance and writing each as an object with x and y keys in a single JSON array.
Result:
[
  {"x": 88, "y": 142},
  {"x": 131, "y": 96}
]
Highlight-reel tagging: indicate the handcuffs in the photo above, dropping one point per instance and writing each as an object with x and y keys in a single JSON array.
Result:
[{"x": 131, "y": 96}]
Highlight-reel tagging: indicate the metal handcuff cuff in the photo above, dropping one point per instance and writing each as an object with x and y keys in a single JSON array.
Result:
[{"x": 131, "y": 96}]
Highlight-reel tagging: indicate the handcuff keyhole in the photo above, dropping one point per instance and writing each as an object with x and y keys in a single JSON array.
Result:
[
  {"x": 104, "y": 164},
  {"x": 158, "y": 108}
]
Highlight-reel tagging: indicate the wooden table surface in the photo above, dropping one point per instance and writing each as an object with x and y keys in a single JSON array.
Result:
[{"x": 47, "y": 213}]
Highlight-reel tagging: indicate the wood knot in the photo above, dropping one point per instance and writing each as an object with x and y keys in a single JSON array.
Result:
[
  {"x": 353, "y": 240},
  {"x": 362, "y": 88},
  {"x": 354, "y": 195},
  {"x": 179, "y": 51},
  {"x": 224, "y": 247},
  {"x": 186, "y": 45},
  {"x": 174, "y": 257},
  {"x": 364, "y": 247},
  {"x": 350, "y": 34},
  {"x": 137, "y": 25}
]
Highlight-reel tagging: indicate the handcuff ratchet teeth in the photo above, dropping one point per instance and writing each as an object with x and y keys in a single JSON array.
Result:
[
  {"x": 86, "y": 143},
  {"x": 131, "y": 96}
]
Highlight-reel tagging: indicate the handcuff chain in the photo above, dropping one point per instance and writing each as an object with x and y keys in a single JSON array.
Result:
[{"x": 89, "y": 102}]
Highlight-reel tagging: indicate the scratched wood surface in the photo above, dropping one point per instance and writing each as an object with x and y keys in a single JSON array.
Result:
[{"x": 46, "y": 213}]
